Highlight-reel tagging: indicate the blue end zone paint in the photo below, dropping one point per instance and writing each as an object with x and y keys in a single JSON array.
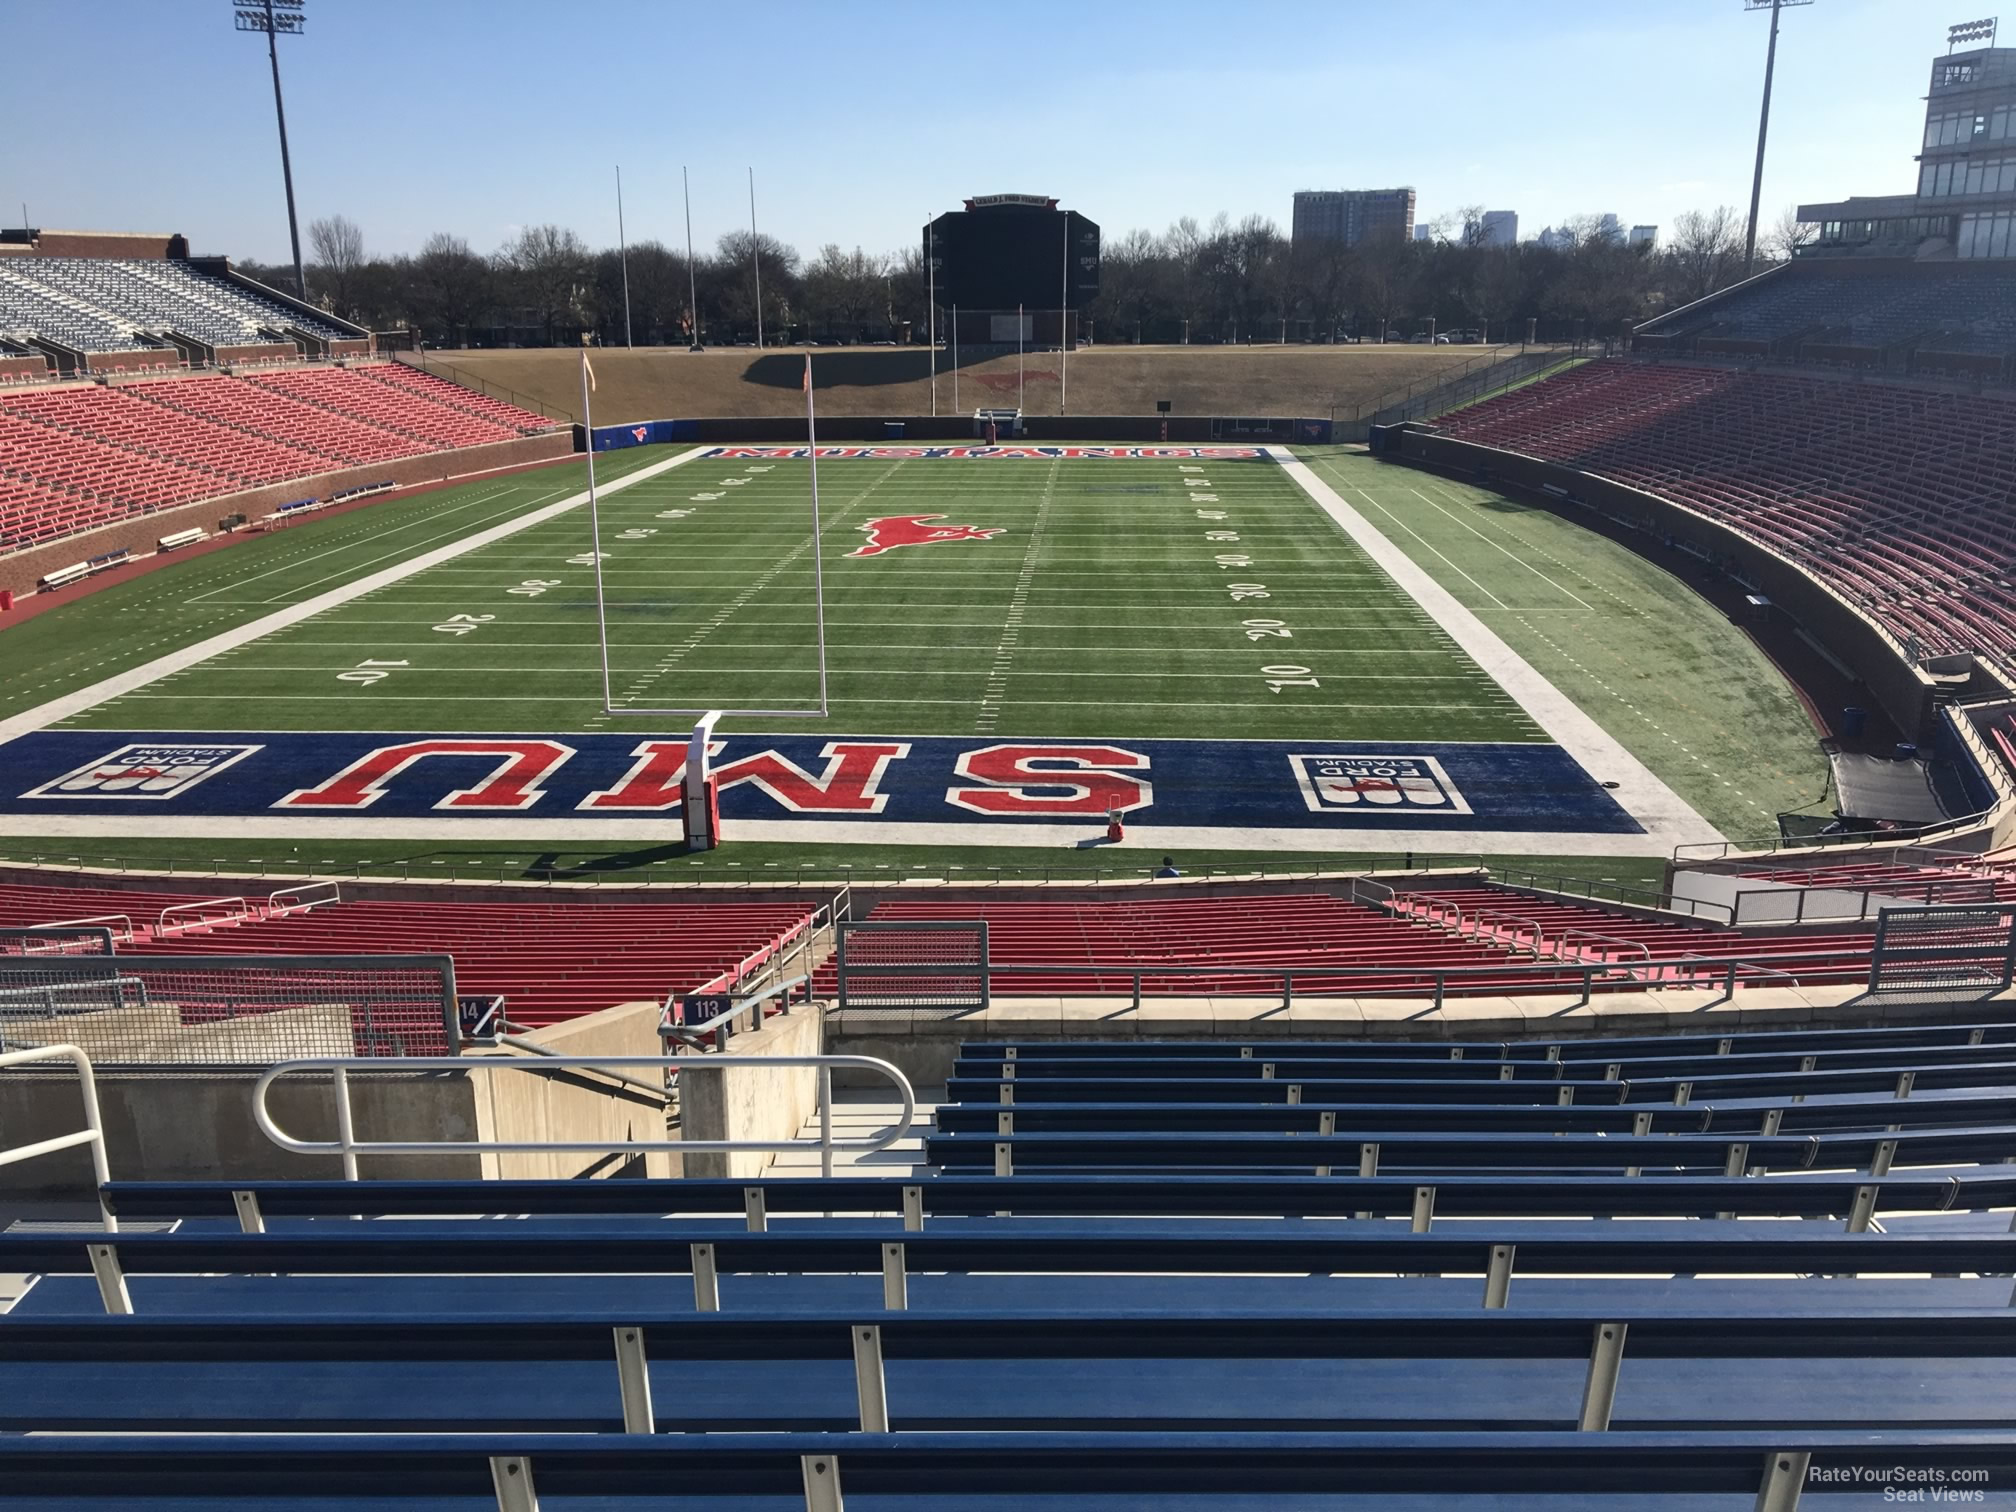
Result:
[{"x": 1313, "y": 786}]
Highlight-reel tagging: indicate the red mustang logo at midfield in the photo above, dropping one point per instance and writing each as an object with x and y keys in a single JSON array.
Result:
[{"x": 911, "y": 530}]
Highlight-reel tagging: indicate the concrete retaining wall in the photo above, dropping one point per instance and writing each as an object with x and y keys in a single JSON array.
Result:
[
  {"x": 762, "y": 1102},
  {"x": 178, "y": 1126},
  {"x": 570, "y": 1105}
]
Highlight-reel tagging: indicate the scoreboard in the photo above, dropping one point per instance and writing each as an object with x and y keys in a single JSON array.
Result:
[{"x": 1005, "y": 250}]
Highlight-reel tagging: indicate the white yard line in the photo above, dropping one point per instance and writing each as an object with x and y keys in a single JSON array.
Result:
[
  {"x": 1665, "y": 815},
  {"x": 1496, "y": 546},
  {"x": 72, "y": 704}
]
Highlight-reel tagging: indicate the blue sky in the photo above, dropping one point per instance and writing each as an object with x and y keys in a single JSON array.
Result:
[{"x": 864, "y": 117}]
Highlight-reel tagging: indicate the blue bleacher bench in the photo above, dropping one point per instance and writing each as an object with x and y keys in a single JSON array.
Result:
[
  {"x": 1566, "y": 1472},
  {"x": 1794, "y": 1195}
]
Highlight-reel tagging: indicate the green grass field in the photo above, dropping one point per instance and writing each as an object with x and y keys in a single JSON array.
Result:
[
  {"x": 1104, "y": 608},
  {"x": 1101, "y": 610}
]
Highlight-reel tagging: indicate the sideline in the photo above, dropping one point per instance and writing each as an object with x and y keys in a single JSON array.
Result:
[
  {"x": 71, "y": 704},
  {"x": 1663, "y": 812}
]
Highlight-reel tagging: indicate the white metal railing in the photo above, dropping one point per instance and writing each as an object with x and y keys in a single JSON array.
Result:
[
  {"x": 120, "y": 924},
  {"x": 92, "y": 1134},
  {"x": 307, "y": 895},
  {"x": 348, "y": 1146},
  {"x": 244, "y": 912}
]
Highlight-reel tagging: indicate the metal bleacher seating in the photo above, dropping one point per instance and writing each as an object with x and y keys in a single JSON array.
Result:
[
  {"x": 549, "y": 962},
  {"x": 146, "y": 295},
  {"x": 1731, "y": 1270},
  {"x": 1895, "y": 496},
  {"x": 80, "y": 456}
]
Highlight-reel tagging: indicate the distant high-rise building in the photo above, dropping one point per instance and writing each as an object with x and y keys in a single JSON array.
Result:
[
  {"x": 1557, "y": 238},
  {"x": 1501, "y": 228},
  {"x": 1353, "y": 215},
  {"x": 1644, "y": 236},
  {"x": 1610, "y": 228},
  {"x": 1965, "y": 205},
  {"x": 1424, "y": 233}
]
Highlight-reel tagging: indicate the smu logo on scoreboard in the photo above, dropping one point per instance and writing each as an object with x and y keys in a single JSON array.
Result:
[
  {"x": 1369, "y": 784},
  {"x": 151, "y": 772}
]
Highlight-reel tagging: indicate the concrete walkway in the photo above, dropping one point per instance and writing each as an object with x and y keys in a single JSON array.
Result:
[{"x": 862, "y": 1115}]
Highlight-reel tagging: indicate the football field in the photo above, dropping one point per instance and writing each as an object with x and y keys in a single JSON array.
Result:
[
  {"x": 1093, "y": 599},
  {"x": 1016, "y": 641}
]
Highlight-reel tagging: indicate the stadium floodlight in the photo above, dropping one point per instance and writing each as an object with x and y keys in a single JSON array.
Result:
[
  {"x": 692, "y": 275},
  {"x": 1971, "y": 31},
  {"x": 623, "y": 256},
  {"x": 288, "y": 17},
  {"x": 1763, "y": 125}
]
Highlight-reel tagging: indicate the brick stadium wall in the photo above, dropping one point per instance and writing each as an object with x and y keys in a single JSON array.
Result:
[
  {"x": 1856, "y": 641},
  {"x": 257, "y": 352},
  {"x": 119, "y": 362},
  {"x": 101, "y": 244},
  {"x": 22, "y": 571},
  {"x": 34, "y": 367},
  {"x": 349, "y": 349}
]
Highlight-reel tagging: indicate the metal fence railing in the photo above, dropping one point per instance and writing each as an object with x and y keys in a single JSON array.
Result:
[
  {"x": 908, "y": 966},
  {"x": 1976, "y": 955},
  {"x": 57, "y": 939},
  {"x": 136, "y": 1012}
]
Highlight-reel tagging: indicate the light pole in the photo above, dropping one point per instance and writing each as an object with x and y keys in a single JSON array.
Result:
[
  {"x": 289, "y": 17},
  {"x": 1763, "y": 124},
  {"x": 623, "y": 256},
  {"x": 692, "y": 274},
  {"x": 756, "y": 259}
]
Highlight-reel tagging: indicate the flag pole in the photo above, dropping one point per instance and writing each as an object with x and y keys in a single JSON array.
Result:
[
  {"x": 595, "y": 521},
  {"x": 1018, "y": 356},
  {"x": 1064, "y": 325},
  {"x": 756, "y": 259},
  {"x": 623, "y": 256},
  {"x": 931, "y": 307},
  {"x": 692, "y": 276},
  {"x": 818, "y": 570}
]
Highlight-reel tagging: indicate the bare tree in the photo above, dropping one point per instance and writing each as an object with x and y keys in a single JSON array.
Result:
[
  {"x": 338, "y": 244},
  {"x": 1788, "y": 234},
  {"x": 549, "y": 269},
  {"x": 845, "y": 289},
  {"x": 1706, "y": 252},
  {"x": 451, "y": 286}
]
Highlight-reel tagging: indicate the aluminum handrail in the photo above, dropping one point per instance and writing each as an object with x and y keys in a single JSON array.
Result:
[
  {"x": 96, "y": 921},
  {"x": 349, "y": 1147},
  {"x": 1496, "y": 919},
  {"x": 300, "y": 901},
  {"x": 162, "y": 926},
  {"x": 1565, "y": 938},
  {"x": 92, "y": 1134}
]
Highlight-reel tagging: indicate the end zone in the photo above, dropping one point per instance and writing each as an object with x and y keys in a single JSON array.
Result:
[{"x": 1301, "y": 795}]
